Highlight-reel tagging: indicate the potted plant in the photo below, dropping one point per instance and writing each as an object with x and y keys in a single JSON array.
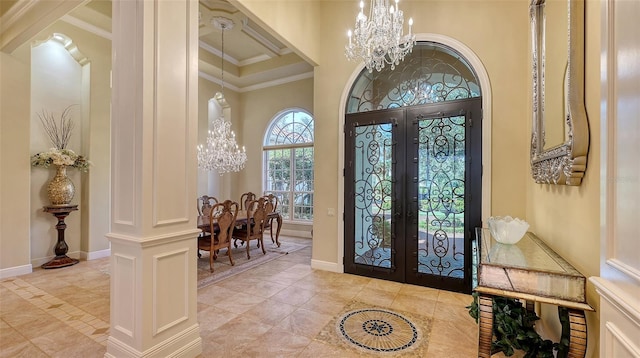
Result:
[{"x": 514, "y": 329}]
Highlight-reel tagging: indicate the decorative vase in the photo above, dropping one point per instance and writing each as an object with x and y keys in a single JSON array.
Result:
[{"x": 60, "y": 189}]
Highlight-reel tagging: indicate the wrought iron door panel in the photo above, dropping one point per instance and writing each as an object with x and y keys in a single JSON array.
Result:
[
  {"x": 372, "y": 165},
  {"x": 444, "y": 188},
  {"x": 409, "y": 184},
  {"x": 372, "y": 168},
  {"x": 441, "y": 181}
]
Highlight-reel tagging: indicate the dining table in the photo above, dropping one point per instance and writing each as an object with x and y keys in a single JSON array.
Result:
[{"x": 205, "y": 225}]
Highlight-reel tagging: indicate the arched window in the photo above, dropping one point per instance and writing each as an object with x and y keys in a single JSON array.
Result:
[
  {"x": 288, "y": 163},
  {"x": 431, "y": 73}
]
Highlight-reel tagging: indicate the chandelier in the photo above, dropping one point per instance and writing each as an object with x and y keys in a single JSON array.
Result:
[
  {"x": 378, "y": 40},
  {"x": 221, "y": 152}
]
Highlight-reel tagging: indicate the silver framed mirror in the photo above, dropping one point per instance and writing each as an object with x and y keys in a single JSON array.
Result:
[{"x": 560, "y": 133}]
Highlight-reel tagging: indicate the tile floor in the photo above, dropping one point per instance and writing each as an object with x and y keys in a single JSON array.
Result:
[{"x": 275, "y": 310}]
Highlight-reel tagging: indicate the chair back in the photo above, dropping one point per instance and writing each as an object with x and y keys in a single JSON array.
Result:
[
  {"x": 245, "y": 199},
  {"x": 271, "y": 203},
  {"x": 257, "y": 215},
  {"x": 225, "y": 215},
  {"x": 205, "y": 203}
]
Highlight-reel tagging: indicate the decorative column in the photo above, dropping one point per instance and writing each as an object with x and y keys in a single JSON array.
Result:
[{"x": 153, "y": 180}]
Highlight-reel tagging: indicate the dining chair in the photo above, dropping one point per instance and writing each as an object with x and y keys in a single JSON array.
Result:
[
  {"x": 222, "y": 222},
  {"x": 245, "y": 199},
  {"x": 271, "y": 204},
  {"x": 254, "y": 230},
  {"x": 205, "y": 203}
]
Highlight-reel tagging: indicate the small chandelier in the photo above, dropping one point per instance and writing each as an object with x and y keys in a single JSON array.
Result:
[
  {"x": 221, "y": 152},
  {"x": 379, "y": 39}
]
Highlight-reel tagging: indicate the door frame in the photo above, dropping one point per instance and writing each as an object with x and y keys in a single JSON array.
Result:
[{"x": 486, "y": 93}]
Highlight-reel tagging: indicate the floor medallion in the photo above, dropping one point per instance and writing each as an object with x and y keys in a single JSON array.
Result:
[{"x": 377, "y": 330}]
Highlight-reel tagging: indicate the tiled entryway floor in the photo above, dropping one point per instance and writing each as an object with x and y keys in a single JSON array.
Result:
[{"x": 275, "y": 310}]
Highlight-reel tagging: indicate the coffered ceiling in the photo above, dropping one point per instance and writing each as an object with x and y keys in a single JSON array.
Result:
[{"x": 254, "y": 58}]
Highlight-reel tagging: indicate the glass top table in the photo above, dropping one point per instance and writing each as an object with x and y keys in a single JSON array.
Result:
[
  {"x": 528, "y": 270},
  {"x": 529, "y": 267}
]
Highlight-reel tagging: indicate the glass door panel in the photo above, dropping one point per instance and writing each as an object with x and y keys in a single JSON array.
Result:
[
  {"x": 372, "y": 181},
  {"x": 441, "y": 193}
]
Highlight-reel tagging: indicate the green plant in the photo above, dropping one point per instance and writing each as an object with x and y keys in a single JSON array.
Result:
[{"x": 514, "y": 329}]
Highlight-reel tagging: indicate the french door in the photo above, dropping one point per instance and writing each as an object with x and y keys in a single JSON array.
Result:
[{"x": 412, "y": 193}]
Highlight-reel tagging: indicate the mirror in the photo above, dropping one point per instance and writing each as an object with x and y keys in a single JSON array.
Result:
[{"x": 560, "y": 135}]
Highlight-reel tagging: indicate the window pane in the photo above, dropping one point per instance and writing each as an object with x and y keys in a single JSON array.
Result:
[
  {"x": 278, "y": 169},
  {"x": 430, "y": 73},
  {"x": 292, "y": 127},
  {"x": 303, "y": 206},
  {"x": 283, "y": 203},
  {"x": 304, "y": 169}
]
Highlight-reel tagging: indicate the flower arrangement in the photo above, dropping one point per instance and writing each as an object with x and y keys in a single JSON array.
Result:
[
  {"x": 59, "y": 132},
  {"x": 55, "y": 156}
]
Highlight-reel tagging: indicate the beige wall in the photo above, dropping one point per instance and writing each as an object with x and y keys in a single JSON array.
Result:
[
  {"x": 295, "y": 22},
  {"x": 88, "y": 239},
  {"x": 258, "y": 109},
  {"x": 505, "y": 59},
  {"x": 14, "y": 168},
  {"x": 565, "y": 217},
  {"x": 568, "y": 218}
]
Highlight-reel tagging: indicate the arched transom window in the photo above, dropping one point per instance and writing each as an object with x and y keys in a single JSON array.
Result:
[
  {"x": 431, "y": 73},
  {"x": 288, "y": 163}
]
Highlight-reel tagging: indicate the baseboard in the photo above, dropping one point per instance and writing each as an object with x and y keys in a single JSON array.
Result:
[
  {"x": 94, "y": 255},
  {"x": 16, "y": 271},
  {"x": 296, "y": 233},
  {"x": 325, "y": 266}
]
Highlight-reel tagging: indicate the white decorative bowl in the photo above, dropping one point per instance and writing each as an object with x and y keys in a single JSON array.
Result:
[{"x": 507, "y": 230}]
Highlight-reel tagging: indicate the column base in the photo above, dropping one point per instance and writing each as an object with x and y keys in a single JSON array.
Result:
[{"x": 187, "y": 344}]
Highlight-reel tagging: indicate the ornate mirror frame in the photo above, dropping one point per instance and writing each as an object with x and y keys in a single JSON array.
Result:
[{"x": 566, "y": 163}]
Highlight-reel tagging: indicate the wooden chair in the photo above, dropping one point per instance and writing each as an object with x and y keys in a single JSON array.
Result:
[
  {"x": 205, "y": 203},
  {"x": 245, "y": 199},
  {"x": 223, "y": 218},
  {"x": 254, "y": 230},
  {"x": 271, "y": 204}
]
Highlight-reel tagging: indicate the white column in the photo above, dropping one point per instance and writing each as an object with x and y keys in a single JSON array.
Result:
[{"x": 154, "y": 129}]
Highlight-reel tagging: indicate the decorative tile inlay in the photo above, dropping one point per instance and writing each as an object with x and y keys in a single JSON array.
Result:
[
  {"x": 87, "y": 324},
  {"x": 377, "y": 330}
]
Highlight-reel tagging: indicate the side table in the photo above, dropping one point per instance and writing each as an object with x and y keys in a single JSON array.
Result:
[
  {"x": 61, "y": 248},
  {"x": 533, "y": 272}
]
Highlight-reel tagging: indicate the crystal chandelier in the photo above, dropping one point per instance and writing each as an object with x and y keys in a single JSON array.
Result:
[
  {"x": 221, "y": 152},
  {"x": 379, "y": 39}
]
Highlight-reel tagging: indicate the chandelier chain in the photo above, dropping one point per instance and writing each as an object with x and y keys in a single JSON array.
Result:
[{"x": 223, "y": 28}]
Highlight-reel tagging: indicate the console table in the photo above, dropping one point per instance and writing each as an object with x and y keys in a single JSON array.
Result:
[
  {"x": 61, "y": 248},
  {"x": 529, "y": 270}
]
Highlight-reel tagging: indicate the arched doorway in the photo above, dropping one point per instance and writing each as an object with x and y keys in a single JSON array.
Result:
[{"x": 413, "y": 170}]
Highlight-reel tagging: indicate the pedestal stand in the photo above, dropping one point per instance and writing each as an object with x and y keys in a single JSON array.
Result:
[{"x": 61, "y": 259}]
